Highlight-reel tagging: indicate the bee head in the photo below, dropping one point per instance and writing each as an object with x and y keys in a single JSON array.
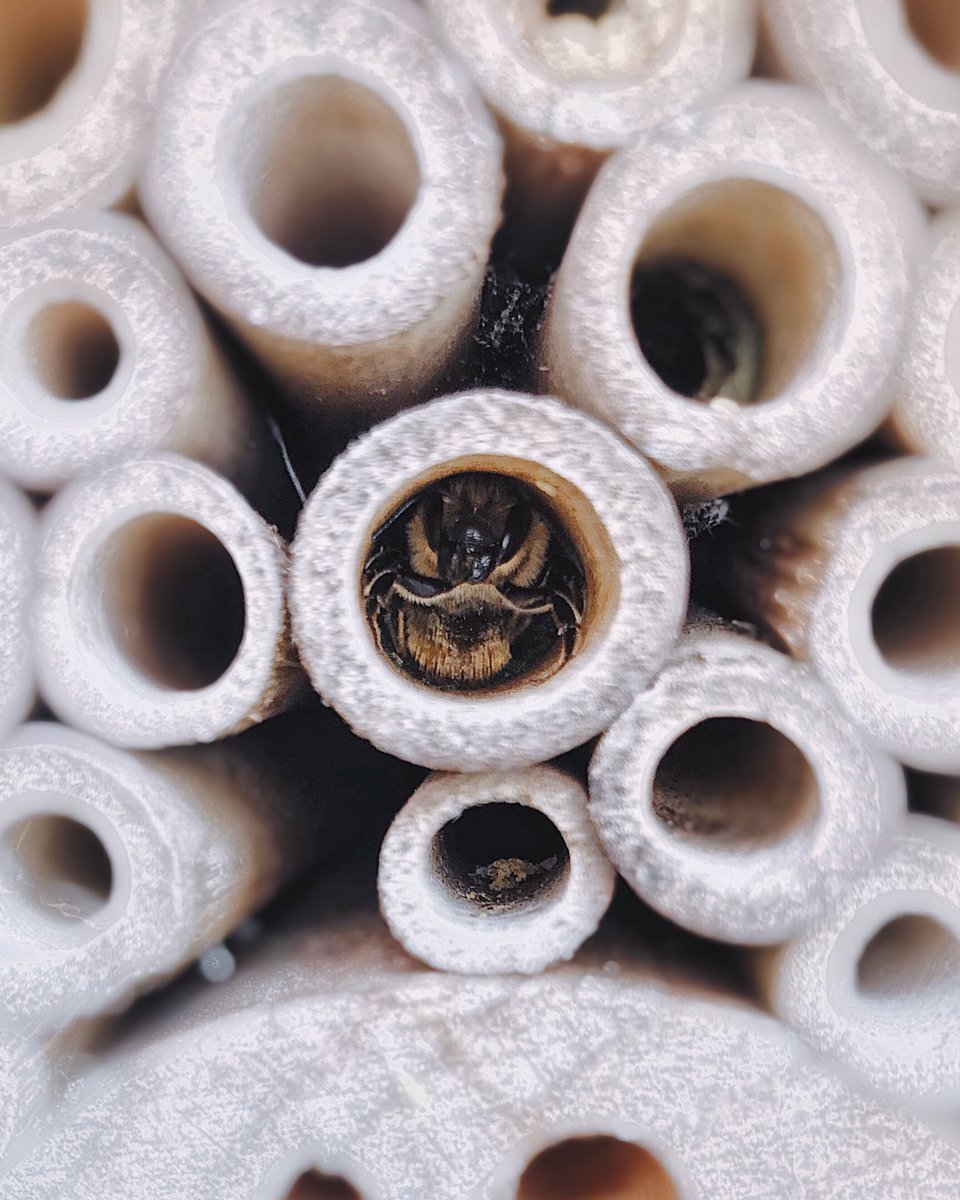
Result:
[{"x": 474, "y": 523}]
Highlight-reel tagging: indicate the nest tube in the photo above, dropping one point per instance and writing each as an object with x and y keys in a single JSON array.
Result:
[
  {"x": 79, "y": 83},
  {"x": 105, "y": 354},
  {"x": 354, "y": 282},
  {"x": 160, "y": 613},
  {"x": 875, "y": 982},
  {"x": 492, "y": 872},
  {"x": 889, "y": 68},
  {"x": 735, "y": 323},
  {"x": 611, "y": 509},
  {"x": 734, "y": 797}
]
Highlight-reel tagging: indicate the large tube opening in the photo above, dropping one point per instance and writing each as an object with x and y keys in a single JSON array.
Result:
[
  {"x": 315, "y": 1185},
  {"x": 596, "y": 1168},
  {"x": 730, "y": 290},
  {"x": 487, "y": 578},
  {"x": 936, "y": 26},
  {"x": 593, "y": 10},
  {"x": 916, "y": 614},
  {"x": 329, "y": 169},
  {"x": 173, "y": 601},
  {"x": 39, "y": 47},
  {"x": 735, "y": 784},
  {"x": 501, "y": 857},
  {"x": 73, "y": 350},
  {"x": 913, "y": 959}
]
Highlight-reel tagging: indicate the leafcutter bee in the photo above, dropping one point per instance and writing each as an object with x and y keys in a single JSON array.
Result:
[{"x": 472, "y": 583}]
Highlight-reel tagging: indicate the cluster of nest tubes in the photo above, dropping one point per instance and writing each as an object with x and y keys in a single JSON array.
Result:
[{"x": 480, "y": 595}]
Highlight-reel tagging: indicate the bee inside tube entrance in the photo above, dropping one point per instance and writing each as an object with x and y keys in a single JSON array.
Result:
[
  {"x": 730, "y": 288},
  {"x": 731, "y": 783},
  {"x": 40, "y": 45},
  {"x": 935, "y": 24},
  {"x": 73, "y": 350},
  {"x": 482, "y": 579},
  {"x": 596, "y": 1168},
  {"x": 501, "y": 857}
]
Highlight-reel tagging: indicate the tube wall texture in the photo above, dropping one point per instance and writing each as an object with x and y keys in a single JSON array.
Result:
[{"x": 18, "y": 541}]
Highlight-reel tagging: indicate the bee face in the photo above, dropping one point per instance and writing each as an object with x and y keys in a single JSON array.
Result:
[{"x": 473, "y": 583}]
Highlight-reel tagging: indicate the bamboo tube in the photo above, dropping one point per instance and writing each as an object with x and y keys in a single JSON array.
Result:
[
  {"x": 889, "y": 68},
  {"x": 160, "y": 611},
  {"x": 875, "y": 983},
  {"x": 18, "y": 537},
  {"x": 608, "y": 511},
  {"x": 78, "y": 83},
  {"x": 856, "y": 572},
  {"x": 119, "y": 869},
  {"x": 495, "y": 872},
  {"x": 926, "y": 411},
  {"x": 734, "y": 290},
  {"x": 733, "y": 795},
  {"x": 104, "y": 354},
  {"x": 570, "y": 82},
  {"x": 333, "y": 195}
]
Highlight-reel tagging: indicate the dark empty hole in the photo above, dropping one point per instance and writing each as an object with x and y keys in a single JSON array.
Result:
[
  {"x": 499, "y": 855},
  {"x": 594, "y": 9},
  {"x": 734, "y": 783},
  {"x": 314, "y": 1185},
  {"x": 73, "y": 349},
  {"x": 39, "y": 47},
  {"x": 62, "y": 869},
  {"x": 174, "y": 601},
  {"x": 912, "y": 955},
  {"x": 335, "y": 173},
  {"x": 596, "y": 1168},
  {"x": 916, "y": 612},
  {"x": 936, "y": 26},
  {"x": 697, "y": 330}
]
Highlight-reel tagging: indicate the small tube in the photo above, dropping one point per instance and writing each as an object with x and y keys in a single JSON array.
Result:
[
  {"x": 160, "y": 611},
  {"x": 495, "y": 872},
  {"x": 734, "y": 797},
  {"x": 875, "y": 983},
  {"x": 18, "y": 540},
  {"x": 104, "y": 354},
  {"x": 733, "y": 293},
  {"x": 572, "y": 80},
  {"x": 119, "y": 869},
  {"x": 890, "y": 69},
  {"x": 458, "y": 677},
  {"x": 78, "y": 84},
  {"x": 333, "y": 196},
  {"x": 926, "y": 411},
  {"x": 859, "y": 573}
]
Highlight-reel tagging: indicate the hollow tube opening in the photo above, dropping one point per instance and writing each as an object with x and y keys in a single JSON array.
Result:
[
  {"x": 593, "y": 10},
  {"x": 173, "y": 601},
  {"x": 596, "y": 1168},
  {"x": 329, "y": 170},
  {"x": 735, "y": 784},
  {"x": 315, "y": 1185},
  {"x": 73, "y": 350},
  {"x": 58, "y": 870},
  {"x": 40, "y": 45},
  {"x": 935, "y": 24},
  {"x": 501, "y": 857},
  {"x": 916, "y": 614},
  {"x": 486, "y": 578},
  {"x": 730, "y": 290},
  {"x": 913, "y": 957}
]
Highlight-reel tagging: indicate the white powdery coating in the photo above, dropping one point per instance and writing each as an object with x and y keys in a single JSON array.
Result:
[
  {"x": 85, "y": 676},
  {"x": 444, "y": 930},
  {"x": 711, "y": 46},
  {"x": 926, "y": 412},
  {"x": 906, "y": 1044},
  {"x": 526, "y": 724},
  {"x": 17, "y": 548},
  {"x": 751, "y": 895},
  {"x": 84, "y": 149},
  {"x": 430, "y": 271},
  {"x": 436, "y": 1085},
  {"x": 862, "y": 57},
  {"x": 786, "y": 138},
  {"x": 170, "y": 388}
]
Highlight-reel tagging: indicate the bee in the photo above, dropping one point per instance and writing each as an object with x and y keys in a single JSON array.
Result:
[{"x": 471, "y": 583}]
